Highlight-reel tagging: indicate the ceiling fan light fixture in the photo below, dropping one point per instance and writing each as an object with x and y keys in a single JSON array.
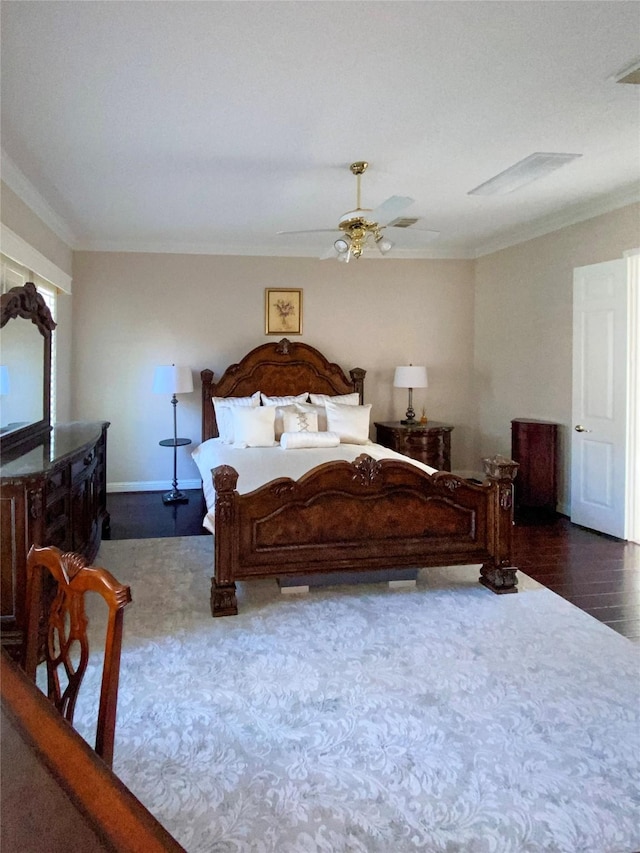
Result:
[
  {"x": 341, "y": 246},
  {"x": 384, "y": 244}
]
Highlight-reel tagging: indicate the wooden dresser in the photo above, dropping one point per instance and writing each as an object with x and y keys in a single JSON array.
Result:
[
  {"x": 429, "y": 443},
  {"x": 53, "y": 494}
]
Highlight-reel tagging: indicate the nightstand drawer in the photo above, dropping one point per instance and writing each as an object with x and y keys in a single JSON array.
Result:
[{"x": 427, "y": 443}]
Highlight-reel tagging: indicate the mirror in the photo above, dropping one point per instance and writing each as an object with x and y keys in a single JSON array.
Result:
[{"x": 25, "y": 368}]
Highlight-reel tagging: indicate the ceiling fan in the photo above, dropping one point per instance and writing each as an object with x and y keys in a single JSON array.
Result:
[{"x": 362, "y": 227}]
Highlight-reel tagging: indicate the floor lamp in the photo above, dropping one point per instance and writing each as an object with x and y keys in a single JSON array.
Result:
[{"x": 169, "y": 379}]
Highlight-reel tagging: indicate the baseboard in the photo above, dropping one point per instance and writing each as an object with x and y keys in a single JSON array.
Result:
[{"x": 152, "y": 486}]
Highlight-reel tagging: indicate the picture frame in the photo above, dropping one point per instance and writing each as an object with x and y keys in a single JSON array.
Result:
[{"x": 283, "y": 311}]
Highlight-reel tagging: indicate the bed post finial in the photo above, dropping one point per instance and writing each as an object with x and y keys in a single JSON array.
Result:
[
  {"x": 500, "y": 468},
  {"x": 357, "y": 375}
]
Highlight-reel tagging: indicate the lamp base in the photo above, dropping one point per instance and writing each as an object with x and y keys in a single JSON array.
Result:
[
  {"x": 175, "y": 497},
  {"x": 409, "y": 421}
]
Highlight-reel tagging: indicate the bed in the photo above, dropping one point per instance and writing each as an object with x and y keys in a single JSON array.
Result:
[{"x": 369, "y": 509}]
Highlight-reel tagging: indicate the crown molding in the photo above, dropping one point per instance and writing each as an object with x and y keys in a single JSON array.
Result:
[
  {"x": 453, "y": 252},
  {"x": 571, "y": 215},
  {"x": 16, "y": 180},
  {"x": 260, "y": 251}
]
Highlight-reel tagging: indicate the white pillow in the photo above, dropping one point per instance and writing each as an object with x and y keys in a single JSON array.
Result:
[
  {"x": 222, "y": 406},
  {"x": 253, "y": 427},
  {"x": 320, "y": 411},
  {"x": 345, "y": 399},
  {"x": 300, "y": 421},
  {"x": 350, "y": 422},
  {"x": 299, "y": 440},
  {"x": 284, "y": 401}
]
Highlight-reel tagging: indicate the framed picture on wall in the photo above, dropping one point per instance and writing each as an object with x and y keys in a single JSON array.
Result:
[{"x": 283, "y": 311}]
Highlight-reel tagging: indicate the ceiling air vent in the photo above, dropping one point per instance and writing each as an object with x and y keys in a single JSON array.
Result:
[
  {"x": 403, "y": 222},
  {"x": 532, "y": 168}
]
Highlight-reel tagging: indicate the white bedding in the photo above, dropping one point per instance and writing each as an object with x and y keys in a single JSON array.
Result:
[{"x": 258, "y": 465}]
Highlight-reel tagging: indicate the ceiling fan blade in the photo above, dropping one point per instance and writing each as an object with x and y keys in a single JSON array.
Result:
[
  {"x": 313, "y": 231},
  {"x": 329, "y": 254},
  {"x": 390, "y": 208},
  {"x": 425, "y": 232}
]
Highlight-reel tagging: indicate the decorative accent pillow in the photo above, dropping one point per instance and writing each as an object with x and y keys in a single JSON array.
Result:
[
  {"x": 319, "y": 411},
  {"x": 284, "y": 401},
  {"x": 300, "y": 421},
  {"x": 299, "y": 440},
  {"x": 253, "y": 427},
  {"x": 345, "y": 399},
  {"x": 222, "y": 407},
  {"x": 350, "y": 422}
]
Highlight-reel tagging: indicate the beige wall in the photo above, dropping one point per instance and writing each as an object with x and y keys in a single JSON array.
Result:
[
  {"x": 17, "y": 216},
  {"x": 523, "y": 327},
  {"x": 135, "y": 311}
]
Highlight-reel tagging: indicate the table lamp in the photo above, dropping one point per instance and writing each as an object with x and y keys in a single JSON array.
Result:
[
  {"x": 169, "y": 379},
  {"x": 410, "y": 376}
]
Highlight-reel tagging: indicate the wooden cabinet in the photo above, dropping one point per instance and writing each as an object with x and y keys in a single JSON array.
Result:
[
  {"x": 54, "y": 494},
  {"x": 429, "y": 443},
  {"x": 534, "y": 446}
]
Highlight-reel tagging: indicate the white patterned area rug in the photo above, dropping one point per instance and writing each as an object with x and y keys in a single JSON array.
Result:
[{"x": 364, "y": 719}]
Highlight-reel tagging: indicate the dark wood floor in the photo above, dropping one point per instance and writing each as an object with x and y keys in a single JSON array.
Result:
[{"x": 597, "y": 573}]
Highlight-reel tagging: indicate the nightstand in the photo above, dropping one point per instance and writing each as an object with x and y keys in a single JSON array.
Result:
[{"x": 429, "y": 443}]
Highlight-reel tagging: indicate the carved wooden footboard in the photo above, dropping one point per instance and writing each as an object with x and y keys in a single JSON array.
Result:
[{"x": 360, "y": 516}]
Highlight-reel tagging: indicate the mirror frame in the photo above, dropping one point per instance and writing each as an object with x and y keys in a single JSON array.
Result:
[{"x": 26, "y": 302}]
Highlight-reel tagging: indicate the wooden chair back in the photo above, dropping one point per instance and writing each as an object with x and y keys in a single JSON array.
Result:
[{"x": 56, "y": 633}]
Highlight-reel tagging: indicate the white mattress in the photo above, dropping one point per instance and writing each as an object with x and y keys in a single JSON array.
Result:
[{"x": 258, "y": 465}]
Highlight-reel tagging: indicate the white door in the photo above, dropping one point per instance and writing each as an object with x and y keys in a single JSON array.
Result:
[{"x": 598, "y": 446}]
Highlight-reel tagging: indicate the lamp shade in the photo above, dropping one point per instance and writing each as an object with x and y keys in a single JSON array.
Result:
[
  {"x": 169, "y": 379},
  {"x": 410, "y": 376}
]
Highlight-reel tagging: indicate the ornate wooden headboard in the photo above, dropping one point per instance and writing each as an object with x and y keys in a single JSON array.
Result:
[{"x": 277, "y": 369}]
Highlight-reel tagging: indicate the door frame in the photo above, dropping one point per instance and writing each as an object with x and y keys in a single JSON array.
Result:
[{"x": 632, "y": 503}]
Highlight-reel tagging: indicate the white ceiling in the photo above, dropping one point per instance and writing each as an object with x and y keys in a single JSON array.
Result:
[{"x": 210, "y": 126}]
